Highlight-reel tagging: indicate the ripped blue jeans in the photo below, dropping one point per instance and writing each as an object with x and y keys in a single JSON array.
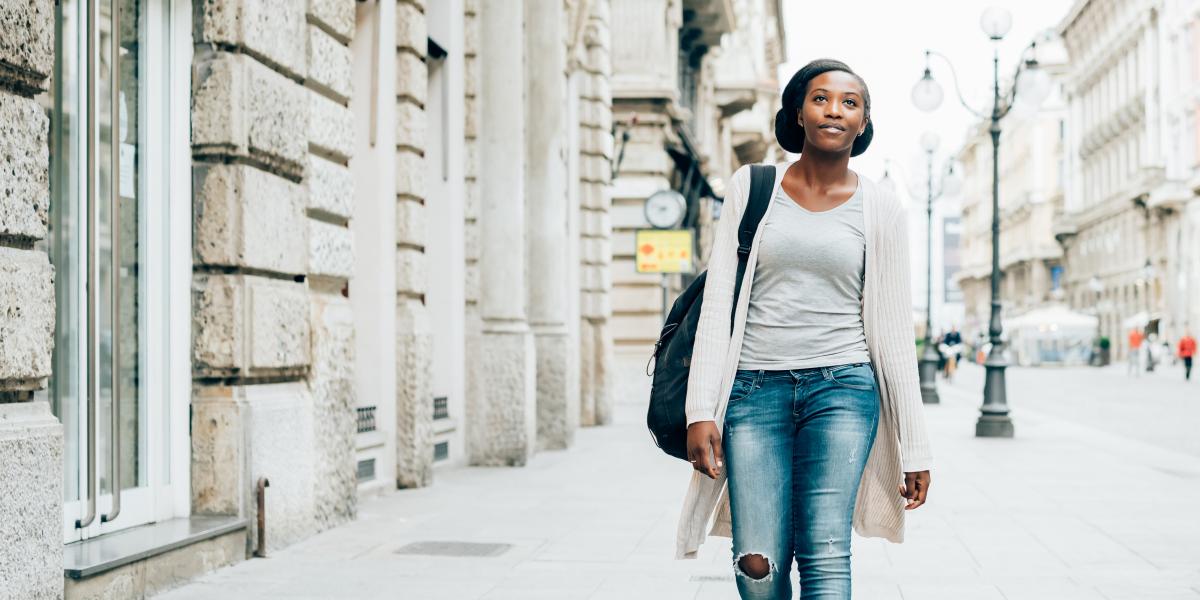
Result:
[{"x": 796, "y": 444}]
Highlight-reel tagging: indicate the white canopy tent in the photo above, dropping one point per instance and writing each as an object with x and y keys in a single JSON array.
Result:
[
  {"x": 1053, "y": 335},
  {"x": 1138, "y": 320}
]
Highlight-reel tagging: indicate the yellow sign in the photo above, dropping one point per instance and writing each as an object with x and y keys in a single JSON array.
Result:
[{"x": 664, "y": 250}]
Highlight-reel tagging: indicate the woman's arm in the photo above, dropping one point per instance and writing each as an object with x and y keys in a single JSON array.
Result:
[
  {"x": 712, "y": 331},
  {"x": 899, "y": 354}
]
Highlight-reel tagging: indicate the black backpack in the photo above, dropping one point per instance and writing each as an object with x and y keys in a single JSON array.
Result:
[{"x": 673, "y": 351}]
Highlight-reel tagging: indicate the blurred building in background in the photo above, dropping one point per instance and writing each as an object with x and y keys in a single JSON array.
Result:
[
  {"x": 694, "y": 87},
  {"x": 354, "y": 241},
  {"x": 1130, "y": 219},
  {"x": 1031, "y": 191}
]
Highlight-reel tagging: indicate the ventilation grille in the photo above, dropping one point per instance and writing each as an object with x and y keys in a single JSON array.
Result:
[
  {"x": 441, "y": 451},
  {"x": 366, "y": 470},
  {"x": 366, "y": 419}
]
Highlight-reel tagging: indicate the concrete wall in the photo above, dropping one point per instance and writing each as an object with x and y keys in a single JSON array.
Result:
[
  {"x": 373, "y": 286},
  {"x": 444, "y": 224},
  {"x": 272, "y": 136},
  {"x": 31, "y": 438}
]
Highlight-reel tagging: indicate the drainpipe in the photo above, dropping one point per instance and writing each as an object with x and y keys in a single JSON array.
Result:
[{"x": 261, "y": 493}]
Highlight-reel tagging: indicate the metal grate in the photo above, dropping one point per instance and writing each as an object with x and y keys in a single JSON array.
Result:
[
  {"x": 441, "y": 408},
  {"x": 366, "y": 419},
  {"x": 441, "y": 451},
  {"x": 441, "y": 548},
  {"x": 366, "y": 470}
]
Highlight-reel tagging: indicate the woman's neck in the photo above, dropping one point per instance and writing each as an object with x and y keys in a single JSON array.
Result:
[{"x": 823, "y": 171}]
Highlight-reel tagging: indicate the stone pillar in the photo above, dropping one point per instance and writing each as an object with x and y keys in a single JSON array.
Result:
[
  {"x": 31, "y": 438},
  {"x": 502, "y": 427},
  {"x": 546, "y": 219},
  {"x": 595, "y": 175},
  {"x": 473, "y": 321},
  {"x": 329, "y": 196},
  {"x": 271, "y": 138},
  {"x": 414, "y": 342}
]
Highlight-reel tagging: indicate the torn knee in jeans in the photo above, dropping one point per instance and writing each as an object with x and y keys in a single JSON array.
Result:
[{"x": 754, "y": 566}]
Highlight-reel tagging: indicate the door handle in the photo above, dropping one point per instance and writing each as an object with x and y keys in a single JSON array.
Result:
[
  {"x": 114, "y": 225},
  {"x": 93, "y": 133}
]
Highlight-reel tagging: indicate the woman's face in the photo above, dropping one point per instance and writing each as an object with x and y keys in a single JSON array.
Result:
[{"x": 833, "y": 113}]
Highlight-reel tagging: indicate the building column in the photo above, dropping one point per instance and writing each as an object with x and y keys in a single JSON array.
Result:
[
  {"x": 502, "y": 425},
  {"x": 546, "y": 218},
  {"x": 595, "y": 177},
  {"x": 414, "y": 332},
  {"x": 31, "y": 438},
  {"x": 272, "y": 341}
]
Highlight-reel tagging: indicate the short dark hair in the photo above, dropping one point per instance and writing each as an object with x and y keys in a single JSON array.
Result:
[{"x": 789, "y": 133}]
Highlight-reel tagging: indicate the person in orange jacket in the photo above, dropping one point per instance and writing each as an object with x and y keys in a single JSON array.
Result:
[
  {"x": 1187, "y": 349},
  {"x": 1135, "y": 351}
]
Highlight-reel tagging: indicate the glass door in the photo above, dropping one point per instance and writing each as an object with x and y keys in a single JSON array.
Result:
[{"x": 110, "y": 184}]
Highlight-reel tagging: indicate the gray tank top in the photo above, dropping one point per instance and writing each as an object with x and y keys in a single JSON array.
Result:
[{"x": 806, "y": 299}]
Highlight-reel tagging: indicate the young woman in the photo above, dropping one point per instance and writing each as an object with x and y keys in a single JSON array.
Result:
[{"x": 807, "y": 418}]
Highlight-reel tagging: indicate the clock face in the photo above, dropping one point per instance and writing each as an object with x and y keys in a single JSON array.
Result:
[{"x": 664, "y": 209}]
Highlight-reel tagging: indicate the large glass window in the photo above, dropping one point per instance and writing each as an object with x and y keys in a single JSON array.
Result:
[{"x": 110, "y": 153}]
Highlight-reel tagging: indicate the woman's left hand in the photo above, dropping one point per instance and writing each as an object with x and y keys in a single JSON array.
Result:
[{"x": 916, "y": 485}]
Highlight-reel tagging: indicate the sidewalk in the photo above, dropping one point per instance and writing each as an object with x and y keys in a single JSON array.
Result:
[{"x": 1062, "y": 512}]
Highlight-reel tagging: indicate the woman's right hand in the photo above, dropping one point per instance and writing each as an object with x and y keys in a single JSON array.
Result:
[{"x": 704, "y": 448}]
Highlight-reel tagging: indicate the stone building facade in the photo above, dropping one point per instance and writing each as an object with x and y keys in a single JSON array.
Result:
[
  {"x": 1032, "y": 181},
  {"x": 326, "y": 247},
  {"x": 1130, "y": 217},
  {"x": 684, "y": 120}
]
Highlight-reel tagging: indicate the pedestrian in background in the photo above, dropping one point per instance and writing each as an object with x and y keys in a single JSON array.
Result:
[
  {"x": 1187, "y": 350},
  {"x": 1135, "y": 351},
  {"x": 951, "y": 347},
  {"x": 820, "y": 357}
]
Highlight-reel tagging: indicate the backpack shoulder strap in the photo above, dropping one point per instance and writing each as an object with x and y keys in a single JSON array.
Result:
[{"x": 762, "y": 181}]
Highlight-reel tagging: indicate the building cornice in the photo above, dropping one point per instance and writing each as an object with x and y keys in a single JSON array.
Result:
[{"x": 1072, "y": 16}]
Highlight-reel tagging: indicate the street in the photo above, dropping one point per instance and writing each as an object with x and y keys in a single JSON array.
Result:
[
  {"x": 1158, "y": 408},
  {"x": 1092, "y": 500}
]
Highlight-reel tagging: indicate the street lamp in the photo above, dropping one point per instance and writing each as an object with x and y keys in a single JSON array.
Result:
[
  {"x": 929, "y": 356},
  {"x": 994, "y": 420}
]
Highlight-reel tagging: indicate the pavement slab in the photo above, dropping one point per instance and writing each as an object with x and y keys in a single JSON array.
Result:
[{"x": 1071, "y": 508}]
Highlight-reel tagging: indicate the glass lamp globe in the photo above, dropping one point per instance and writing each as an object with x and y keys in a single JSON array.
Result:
[
  {"x": 927, "y": 94},
  {"x": 930, "y": 141},
  {"x": 1033, "y": 86},
  {"x": 996, "y": 22}
]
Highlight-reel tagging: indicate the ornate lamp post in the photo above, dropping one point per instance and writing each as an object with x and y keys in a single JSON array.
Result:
[
  {"x": 1032, "y": 86},
  {"x": 949, "y": 184}
]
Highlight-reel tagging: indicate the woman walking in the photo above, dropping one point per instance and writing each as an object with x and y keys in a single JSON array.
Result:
[{"x": 806, "y": 419}]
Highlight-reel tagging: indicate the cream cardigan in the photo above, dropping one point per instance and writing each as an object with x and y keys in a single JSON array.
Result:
[{"x": 901, "y": 442}]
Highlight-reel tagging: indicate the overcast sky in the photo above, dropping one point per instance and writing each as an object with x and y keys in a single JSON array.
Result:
[{"x": 884, "y": 41}]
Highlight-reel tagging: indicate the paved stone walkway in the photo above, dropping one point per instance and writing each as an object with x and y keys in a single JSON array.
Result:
[{"x": 1062, "y": 512}]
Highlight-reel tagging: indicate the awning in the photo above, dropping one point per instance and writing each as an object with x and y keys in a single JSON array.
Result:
[
  {"x": 1052, "y": 318},
  {"x": 1141, "y": 319}
]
